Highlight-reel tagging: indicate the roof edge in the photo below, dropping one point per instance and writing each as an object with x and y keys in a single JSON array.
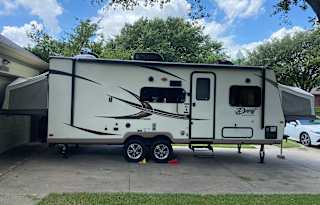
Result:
[{"x": 159, "y": 63}]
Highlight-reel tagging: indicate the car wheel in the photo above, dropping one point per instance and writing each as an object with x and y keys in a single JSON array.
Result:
[
  {"x": 305, "y": 139},
  {"x": 134, "y": 150},
  {"x": 161, "y": 151}
]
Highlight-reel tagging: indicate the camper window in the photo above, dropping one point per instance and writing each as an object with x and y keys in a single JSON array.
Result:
[
  {"x": 162, "y": 95},
  {"x": 203, "y": 89},
  {"x": 245, "y": 96}
]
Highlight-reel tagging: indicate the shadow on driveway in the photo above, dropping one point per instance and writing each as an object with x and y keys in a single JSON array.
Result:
[{"x": 30, "y": 172}]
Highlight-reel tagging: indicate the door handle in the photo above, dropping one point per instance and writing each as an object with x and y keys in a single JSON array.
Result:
[{"x": 193, "y": 104}]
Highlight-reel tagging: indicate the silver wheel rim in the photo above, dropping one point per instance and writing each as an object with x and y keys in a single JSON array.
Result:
[
  {"x": 305, "y": 139},
  {"x": 161, "y": 151},
  {"x": 134, "y": 151}
]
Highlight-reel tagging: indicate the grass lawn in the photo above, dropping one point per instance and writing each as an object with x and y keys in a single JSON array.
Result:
[
  {"x": 245, "y": 146},
  {"x": 317, "y": 110},
  {"x": 290, "y": 144},
  {"x": 175, "y": 199}
]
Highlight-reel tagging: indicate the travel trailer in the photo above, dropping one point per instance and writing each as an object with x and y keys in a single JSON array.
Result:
[{"x": 149, "y": 105}]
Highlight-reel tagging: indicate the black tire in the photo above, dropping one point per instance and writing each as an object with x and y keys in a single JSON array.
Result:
[
  {"x": 134, "y": 156},
  {"x": 305, "y": 139},
  {"x": 165, "y": 147},
  {"x": 262, "y": 155}
]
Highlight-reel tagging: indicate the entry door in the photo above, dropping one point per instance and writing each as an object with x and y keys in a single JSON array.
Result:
[{"x": 202, "y": 105}]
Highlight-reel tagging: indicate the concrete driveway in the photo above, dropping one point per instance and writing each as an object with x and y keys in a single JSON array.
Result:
[{"x": 30, "y": 172}]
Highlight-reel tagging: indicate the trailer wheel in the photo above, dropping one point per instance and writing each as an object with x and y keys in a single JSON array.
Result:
[
  {"x": 134, "y": 150},
  {"x": 161, "y": 151}
]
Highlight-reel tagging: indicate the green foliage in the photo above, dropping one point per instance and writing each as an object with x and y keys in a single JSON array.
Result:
[
  {"x": 284, "y": 6},
  {"x": 178, "y": 199},
  {"x": 45, "y": 45},
  {"x": 80, "y": 37},
  {"x": 296, "y": 59},
  {"x": 174, "y": 38},
  {"x": 317, "y": 111}
]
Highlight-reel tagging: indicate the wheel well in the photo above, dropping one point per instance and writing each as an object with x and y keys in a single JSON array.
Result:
[
  {"x": 133, "y": 137},
  {"x": 162, "y": 137}
]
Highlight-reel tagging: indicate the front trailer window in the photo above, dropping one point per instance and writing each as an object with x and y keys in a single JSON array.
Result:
[
  {"x": 245, "y": 96},
  {"x": 162, "y": 95}
]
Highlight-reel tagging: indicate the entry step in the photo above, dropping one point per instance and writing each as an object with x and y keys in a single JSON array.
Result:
[{"x": 197, "y": 147}]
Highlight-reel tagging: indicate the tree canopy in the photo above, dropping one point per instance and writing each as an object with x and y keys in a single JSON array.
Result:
[
  {"x": 70, "y": 45},
  {"x": 174, "y": 38},
  {"x": 295, "y": 59}
]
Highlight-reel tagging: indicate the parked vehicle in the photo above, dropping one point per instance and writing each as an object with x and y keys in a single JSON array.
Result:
[
  {"x": 148, "y": 105},
  {"x": 307, "y": 132}
]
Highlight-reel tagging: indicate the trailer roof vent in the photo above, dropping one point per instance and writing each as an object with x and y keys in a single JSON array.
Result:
[
  {"x": 225, "y": 62},
  {"x": 148, "y": 57},
  {"x": 87, "y": 53}
]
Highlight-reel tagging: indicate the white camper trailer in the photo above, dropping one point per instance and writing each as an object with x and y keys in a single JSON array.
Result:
[{"x": 147, "y": 106}]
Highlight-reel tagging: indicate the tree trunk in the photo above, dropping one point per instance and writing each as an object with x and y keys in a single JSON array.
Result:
[{"x": 315, "y": 5}]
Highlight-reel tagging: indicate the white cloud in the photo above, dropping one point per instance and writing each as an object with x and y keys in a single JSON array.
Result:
[
  {"x": 111, "y": 20},
  {"x": 7, "y": 6},
  {"x": 46, "y": 10},
  {"x": 19, "y": 34},
  {"x": 240, "y": 8},
  {"x": 284, "y": 32},
  {"x": 234, "y": 49},
  {"x": 213, "y": 28}
]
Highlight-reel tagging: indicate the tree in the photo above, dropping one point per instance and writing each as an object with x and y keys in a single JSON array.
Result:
[
  {"x": 295, "y": 59},
  {"x": 198, "y": 6},
  {"x": 80, "y": 37},
  {"x": 174, "y": 38},
  {"x": 286, "y": 5}
]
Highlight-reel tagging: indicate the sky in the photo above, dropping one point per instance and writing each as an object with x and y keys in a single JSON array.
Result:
[{"x": 240, "y": 25}]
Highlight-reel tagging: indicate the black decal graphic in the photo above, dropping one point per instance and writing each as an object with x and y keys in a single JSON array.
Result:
[
  {"x": 146, "y": 110},
  {"x": 58, "y": 72}
]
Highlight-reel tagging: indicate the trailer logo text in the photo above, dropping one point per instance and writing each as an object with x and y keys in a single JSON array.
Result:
[{"x": 245, "y": 111}]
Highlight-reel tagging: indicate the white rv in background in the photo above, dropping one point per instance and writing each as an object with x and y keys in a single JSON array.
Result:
[{"x": 149, "y": 105}]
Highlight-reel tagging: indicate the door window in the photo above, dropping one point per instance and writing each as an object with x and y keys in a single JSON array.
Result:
[{"x": 203, "y": 89}]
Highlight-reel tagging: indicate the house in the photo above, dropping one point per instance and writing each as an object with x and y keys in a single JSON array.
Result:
[
  {"x": 15, "y": 62},
  {"x": 316, "y": 93}
]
